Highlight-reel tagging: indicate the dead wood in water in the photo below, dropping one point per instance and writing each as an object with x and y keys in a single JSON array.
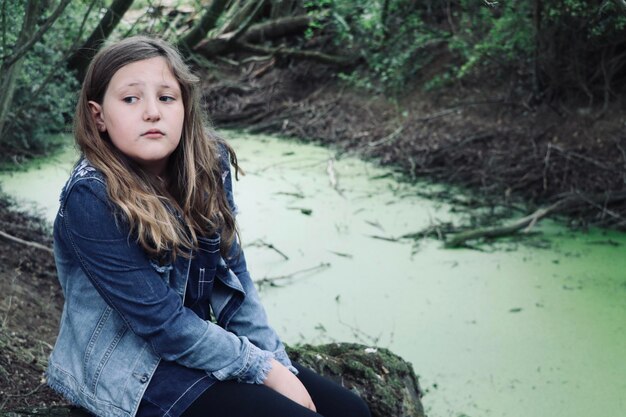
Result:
[
  {"x": 262, "y": 243},
  {"x": 493, "y": 232},
  {"x": 272, "y": 281},
  {"x": 332, "y": 176},
  {"x": 525, "y": 224}
]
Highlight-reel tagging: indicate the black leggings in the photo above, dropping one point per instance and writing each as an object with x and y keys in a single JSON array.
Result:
[{"x": 234, "y": 399}]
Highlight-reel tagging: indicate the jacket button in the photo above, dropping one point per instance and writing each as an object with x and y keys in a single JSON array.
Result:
[{"x": 144, "y": 379}]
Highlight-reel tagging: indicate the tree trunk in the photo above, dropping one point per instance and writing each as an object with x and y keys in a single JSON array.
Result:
[
  {"x": 283, "y": 8},
  {"x": 81, "y": 58},
  {"x": 22, "y": 48},
  {"x": 256, "y": 33},
  {"x": 206, "y": 23},
  {"x": 384, "y": 14},
  {"x": 9, "y": 74},
  {"x": 276, "y": 28},
  {"x": 537, "y": 16}
]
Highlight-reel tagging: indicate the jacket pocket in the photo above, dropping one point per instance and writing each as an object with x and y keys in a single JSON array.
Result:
[
  {"x": 202, "y": 270},
  {"x": 105, "y": 338}
]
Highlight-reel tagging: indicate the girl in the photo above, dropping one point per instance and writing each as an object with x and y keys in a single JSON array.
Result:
[{"x": 161, "y": 316}]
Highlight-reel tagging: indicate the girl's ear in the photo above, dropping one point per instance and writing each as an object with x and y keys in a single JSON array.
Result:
[{"x": 96, "y": 113}]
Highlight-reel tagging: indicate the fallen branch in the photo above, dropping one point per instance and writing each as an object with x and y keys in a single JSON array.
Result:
[
  {"x": 389, "y": 138},
  {"x": 25, "y": 242},
  {"x": 263, "y": 243},
  {"x": 321, "y": 57},
  {"x": 272, "y": 280},
  {"x": 571, "y": 154},
  {"x": 332, "y": 177},
  {"x": 273, "y": 29},
  {"x": 525, "y": 223}
]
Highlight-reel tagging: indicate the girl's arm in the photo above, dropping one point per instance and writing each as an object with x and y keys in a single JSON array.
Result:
[
  {"x": 123, "y": 275},
  {"x": 251, "y": 319}
]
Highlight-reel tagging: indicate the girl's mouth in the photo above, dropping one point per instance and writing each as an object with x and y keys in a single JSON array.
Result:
[{"x": 153, "y": 133}]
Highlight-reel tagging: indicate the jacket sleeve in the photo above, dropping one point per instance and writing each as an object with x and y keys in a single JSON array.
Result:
[
  {"x": 122, "y": 274},
  {"x": 251, "y": 319}
]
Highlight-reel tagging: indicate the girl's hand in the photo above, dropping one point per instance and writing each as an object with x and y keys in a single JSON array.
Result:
[{"x": 281, "y": 380}]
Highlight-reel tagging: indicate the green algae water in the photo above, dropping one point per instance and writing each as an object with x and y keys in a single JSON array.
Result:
[{"x": 513, "y": 331}]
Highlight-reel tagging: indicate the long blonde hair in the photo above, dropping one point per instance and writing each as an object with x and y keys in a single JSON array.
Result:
[{"x": 194, "y": 185}]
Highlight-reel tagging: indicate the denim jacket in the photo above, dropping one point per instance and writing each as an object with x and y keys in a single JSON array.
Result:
[{"x": 124, "y": 311}]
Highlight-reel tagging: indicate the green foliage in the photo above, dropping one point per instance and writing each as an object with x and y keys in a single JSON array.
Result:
[
  {"x": 36, "y": 115},
  {"x": 45, "y": 94},
  {"x": 552, "y": 46},
  {"x": 501, "y": 38},
  {"x": 391, "y": 41},
  {"x": 565, "y": 47}
]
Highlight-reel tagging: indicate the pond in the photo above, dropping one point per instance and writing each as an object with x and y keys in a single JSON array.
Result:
[{"x": 514, "y": 330}]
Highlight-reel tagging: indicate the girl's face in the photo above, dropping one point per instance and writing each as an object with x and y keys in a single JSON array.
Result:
[{"x": 143, "y": 113}]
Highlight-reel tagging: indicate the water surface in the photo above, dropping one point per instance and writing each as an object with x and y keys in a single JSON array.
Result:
[{"x": 512, "y": 331}]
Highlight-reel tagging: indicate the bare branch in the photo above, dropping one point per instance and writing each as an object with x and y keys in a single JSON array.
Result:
[
  {"x": 80, "y": 59},
  {"x": 26, "y": 242},
  {"x": 298, "y": 54},
  {"x": 16, "y": 55},
  {"x": 207, "y": 22},
  {"x": 242, "y": 13}
]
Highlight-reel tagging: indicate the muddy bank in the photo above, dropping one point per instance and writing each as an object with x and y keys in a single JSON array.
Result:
[
  {"x": 30, "y": 308},
  {"x": 486, "y": 139}
]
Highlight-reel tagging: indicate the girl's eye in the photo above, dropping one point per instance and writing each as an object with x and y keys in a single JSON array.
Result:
[
  {"x": 130, "y": 99},
  {"x": 167, "y": 99}
]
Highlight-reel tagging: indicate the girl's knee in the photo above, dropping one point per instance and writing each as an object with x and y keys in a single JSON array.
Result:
[
  {"x": 361, "y": 409},
  {"x": 355, "y": 406}
]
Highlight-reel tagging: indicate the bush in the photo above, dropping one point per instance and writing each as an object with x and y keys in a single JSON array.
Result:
[
  {"x": 45, "y": 93},
  {"x": 556, "y": 48}
]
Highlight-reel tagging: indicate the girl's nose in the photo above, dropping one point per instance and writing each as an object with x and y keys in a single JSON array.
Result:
[{"x": 151, "y": 111}]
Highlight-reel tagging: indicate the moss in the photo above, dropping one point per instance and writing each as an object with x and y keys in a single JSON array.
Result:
[{"x": 384, "y": 380}]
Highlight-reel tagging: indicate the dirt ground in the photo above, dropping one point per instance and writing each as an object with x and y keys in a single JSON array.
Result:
[
  {"x": 30, "y": 308},
  {"x": 488, "y": 139}
]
